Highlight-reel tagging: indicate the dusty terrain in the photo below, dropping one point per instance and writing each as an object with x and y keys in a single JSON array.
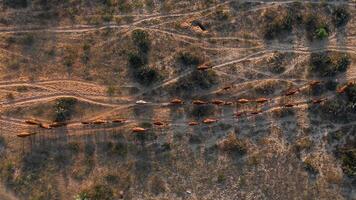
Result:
[{"x": 149, "y": 99}]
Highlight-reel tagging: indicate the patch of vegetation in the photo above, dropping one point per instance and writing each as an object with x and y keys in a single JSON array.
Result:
[
  {"x": 141, "y": 39},
  {"x": 202, "y": 111},
  {"x": 351, "y": 93},
  {"x": 329, "y": 64},
  {"x": 147, "y": 76},
  {"x": 348, "y": 159},
  {"x": 340, "y": 17},
  {"x": 97, "y": 192},
  {"x": 64, "y": 108},
  {"x": 188, "y": 59},
  {"x": 138, "y": 61},
  {"x": 315, "y": 27},
  {"x": 16, "y": 3},
  {"x": 196, "y": 80},
  {"x": 277, "y": 23},
  {"x": 232, "y": 144},
  {"x": 157, "y": 185}
]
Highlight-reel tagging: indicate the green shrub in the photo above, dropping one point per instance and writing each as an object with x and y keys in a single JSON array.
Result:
[
  {"x": 136, "y": 60},
  {"x": 16, "y": 3},
  {"x": 276, "y": 23},
  {"x": 348, "y": 159},
  {"x": 340, "y": 17},
  {"x": 146, "y": 76},
  {"x": 351, "y": 93},
  {"x": 100, "y": 192},
  {"x": 329, "y": 64},
  {"x": 141, "y": 39},
  {"x": 64, "y": 108},
  {"x": 321, "y": 33},
  {"x": 188, "y": 59}
]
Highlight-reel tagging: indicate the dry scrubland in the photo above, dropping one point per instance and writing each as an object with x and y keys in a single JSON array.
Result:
[{"x": 268, "y": 87}]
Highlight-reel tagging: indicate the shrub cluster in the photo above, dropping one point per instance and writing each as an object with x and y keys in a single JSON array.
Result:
[
  {"x": 138, "y": 60},
  {"x": 64, "y": 108},
  {"x": 329, "y": 64}
]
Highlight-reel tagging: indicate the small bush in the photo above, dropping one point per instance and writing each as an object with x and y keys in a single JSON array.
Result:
[
  {"x": 321, "y": 33},
  {"x": 64, "y": 108},
  {"x": 232, "y": 144},
  {"x": 188, "y": 59},
  {"x": 276, "y": 23},
  {"x": 351, "y": 93},
  {"x": 99, "y": 192},
  {"x": 348, "y": 159},
  {"x": 16, "y": 3},
  {"x": 329, "y": 64},
  {"x": 196, "y": 80},
  {"x": 340, "y": 17},
  {"x": 146, "y": 76},
  {"x": 141, "y": 39},
  {"x": 202, "y": 111},
  {"x": 136, "y": 60}
]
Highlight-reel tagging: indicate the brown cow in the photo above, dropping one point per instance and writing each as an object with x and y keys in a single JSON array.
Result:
[
  {"x": 33, "y": 122},
  {"x": 342, "y": 89},
  {"x": 158, "y": 123},
  {"x": 199, "y": 102},
  {"x": 289, "y": 105},
  {"x": 193, "y": 123},
  {"x": 261, "y": 100},
  {"x": 291, "y": 92},
  {"x": 99, "y": 121},
  {"x": 45, "y": 126},
  {"x": 217, "y": 102},
  {"x": 226, "y": 88},
  {"x": 243, "y": 101},
  {"x": 177, "y": 101},
  {"x": 238, "y": 114},
  {"x": 209, "y": 121},
  {"x": 57, "y": 124},
  {"x": 203, "y": 67},
  {"x": 256, "y": 112},
  {"x": 138, "y": 130},
  {"x": 119, "y": 121},
  {"x": 228, "y": 103},
  {"x": 318, "y": 101},
  {"x": 24, "y": 134},
  {"x": 314, "y": 83}
]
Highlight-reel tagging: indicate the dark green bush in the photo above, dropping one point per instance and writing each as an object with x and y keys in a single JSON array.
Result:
[
  {"x": 276, "y": 23},
  {"x": 16, "y": 3},
  {"x": 136, "y": 60},
  {"x": 329, "y": 64},
  {"x": 348, "y": 159},
  {"x": 188, "y": 59},
  {"x": 64, "y": 108},
  {"x": 340, "y": 17},
  {"x": 141, "y": 39},
  {"x": 146, "y": 76},
  {"x": 351, "y": 93}
]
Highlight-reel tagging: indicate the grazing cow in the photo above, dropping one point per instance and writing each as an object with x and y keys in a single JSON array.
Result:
[
  {"x": 45, "y": 126},
  {"x": 289, "y": 105},
  {"x": 119, "y": 121},
  {"x": 217, "y": 102},
  {"x": 99, "y": 121},
  {"x": 158, "y": 123},
  {"x": 24, "y": 134},
  {"x": 85, "y": 122},
  {"x": 32, "y": 122},
  {"x": 243, "y": 101},
  {"x": 256, "y": 112},
  {"x": 138, "y": 130},
  {"x": 318, "y": 101},
  {"x": 199, "y": 102},
  {"x": 228, "y": 103},
  {"x": 226, "y": 88},
  {"x": 209, "y": 121},
  {"x": 261, "y": 100},
  {"x": 193, "y": 123},
  {"x": 342, "y": 89},
  {"x": 177, "y": 101},
  {"x": 203, "y": 67},
  {"x": 57, "y": 124},
  {"x": 291, "y": 92},
  {"x": 314, "y": 83},
  {"x": 141, "y": 102}
]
